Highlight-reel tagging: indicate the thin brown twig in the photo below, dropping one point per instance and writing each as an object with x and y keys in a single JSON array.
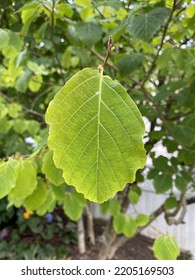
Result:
[
  {"x": 109, "y": 51},
  {"x": 161, "y": 44}
]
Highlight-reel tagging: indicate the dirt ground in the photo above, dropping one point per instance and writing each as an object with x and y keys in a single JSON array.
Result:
[{"x": 137, "y": 248}]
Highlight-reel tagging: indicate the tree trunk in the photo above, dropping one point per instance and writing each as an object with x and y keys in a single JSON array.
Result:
[
  {"x": 81, "y": 235},
  {"x": 108, "y": 237},
  {"x": 90, "y": 225}
]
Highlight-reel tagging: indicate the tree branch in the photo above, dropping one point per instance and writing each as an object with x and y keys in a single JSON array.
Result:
[{"x": 161, "y": 44}]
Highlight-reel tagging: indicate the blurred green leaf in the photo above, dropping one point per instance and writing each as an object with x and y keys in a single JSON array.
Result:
[{"x": 166, "y": 248}]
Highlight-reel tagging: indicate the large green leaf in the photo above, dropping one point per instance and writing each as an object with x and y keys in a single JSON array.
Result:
[
  {"x": 146, "y": 25},
  {"x": 96, "y": 135},
  {"x": 165, "y": 248},
  {"x": 7, "y": 177}
]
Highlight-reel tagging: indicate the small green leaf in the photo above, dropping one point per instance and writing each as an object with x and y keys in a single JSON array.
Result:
[
  {"x": 73, "y": 205},
  {"x": 190, "y": 10},
  {"x": 124, "y": 224},
  {"x": 142, "y": 220},
  {"x": 133, "y": 197},
  {"x": 51, "y": 171},
  {"x": 19, "y": 126},
  {"x": 98, "y": 141},
  {"x": 14, "y": 110},
  {"x": 152, "y": 173},
  {"x": 35, "y": 83},
  {"x": 104, "y": 207},
  {"x": 21, "y": 84},
  {"x": 33, "y": 127},
  {"x": 184, "y": 135},
  {"x": 170, "y": 203},
  {"x": 7, "y": 177},
  {"x": 161, "y": 163},
  {"x": 88, "y": 32},
  {"x": 166, "y": 248},
  {"x": 13, "y": 201},
  {"x": 162, "y": 183},
  {"x": 4, "y": 38},
  {"x": 26, "y": 181},
  {"x": 83, "y": 3},
  {"x": 181, "y": 183},
  {"x": 128, "y": 64},
  {"x": 114, "y": 206},
  {"x": 14, "y": 46},
  {"x": 5, "y": 125},
  {"x": 64, "y": 10},
  {"x": 37, "y": 198},
  {"x": 48, "y": 205},
  {"x": 59, "y": 192}
]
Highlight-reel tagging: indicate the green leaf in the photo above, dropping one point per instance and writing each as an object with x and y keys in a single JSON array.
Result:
[
  {"x": 97, "y": 142},
  {"x": 104, "y": 207},
  {"x": 162, "y": 183},
  {"x": 124, "y": 224},
  {"x": 37, "y": 198},
  {"x": 133, "y": 197},
  {"x": 7, "y": 177},
  {"x": 114, "y": 206},
  {"x": 166, "y": 248},
  {"x": 14, "y": 110},
  {"x": 59, "y": 192},
  {"x": 170, "y": 203},
  {"x": 142, "y": 220},
  {"x": 33, "y": 127},
  {"x": 152, "y": 173},
  {"x": 48, "y": 205},
  {"x": 26, "y": 181},
  {"x": 181, "y": 183},
  {"x": 51, "y": 172},
  {"x": 161, "y": 163},
  {"x": 130, "y": 63},
  {"x": 4, "y": 38},
  {"x": 88, "y": 32},
  {"x": 19, "y": 126},
  {"x": 5, "y": 125},
  {"x": 186, "y": 157},
  {"x": 190, "y": 10},
  {"x": 73, "y": 205},
  {"x": 83, "y": 3},
  {"x": 35, "y": 83},
  {"x": 14, "y": 46},
  {"x": 184, "y": 135},
  {"x": 63, "y": 10},
  {"x": 21, "y": 84},
  {"x": 146, "y": 25},
  {"x": 13, "y": 201}
]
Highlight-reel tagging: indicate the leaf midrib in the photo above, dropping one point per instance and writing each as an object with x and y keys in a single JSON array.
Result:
[{"x": 99, "y": 123}]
